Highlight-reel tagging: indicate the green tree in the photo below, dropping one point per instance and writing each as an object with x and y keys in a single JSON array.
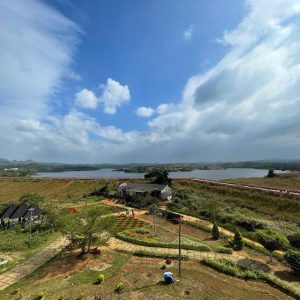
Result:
[
  {"x": 271, "y": 174},
  {"x": 238, "y": 242},
  {"x": 153, "y": 210},
  {"x": 159, "y": 176},
  {"x": 85, "y": 226},
  {"x": 215, "y": 232},
  {"x": 293, "y": 259},
  {"x": 271, "y": 240}
]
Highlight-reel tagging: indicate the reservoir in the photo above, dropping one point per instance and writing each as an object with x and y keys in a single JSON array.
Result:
[{"x": 205, "y": 174}]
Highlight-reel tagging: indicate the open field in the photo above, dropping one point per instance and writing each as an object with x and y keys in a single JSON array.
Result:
[
  {"x": 67, "y": 277},
  {"x": 289, "y": 181},
  {"x": 11, "y": 189},
  {"x": 285, "y": 207}
]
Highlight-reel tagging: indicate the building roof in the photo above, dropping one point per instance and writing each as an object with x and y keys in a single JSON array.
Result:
[
  {"x": 35, "y": 213},
  {"x": 20, "y": 211},
  {"x": 8, "y": 211},
  {"x": 144, "y": 187},
  {"x": 14, "y": 211}
]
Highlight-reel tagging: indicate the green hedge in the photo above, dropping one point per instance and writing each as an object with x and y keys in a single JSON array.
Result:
[
  {"x": 224, "y": 250},
  {"x": 231, "y": 268},
  {"x": 158, "y": 255},
  {"x": 188, "y": 246}
]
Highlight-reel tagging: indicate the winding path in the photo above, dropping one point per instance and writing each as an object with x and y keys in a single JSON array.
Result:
[{"x": 12, "y": 276}]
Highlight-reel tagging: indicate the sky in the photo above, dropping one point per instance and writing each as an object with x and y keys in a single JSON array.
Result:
[{"x": 114, "y": 81}]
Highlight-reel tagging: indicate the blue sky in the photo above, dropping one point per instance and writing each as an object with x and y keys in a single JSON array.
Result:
[
  {"x": 141, "y": 44},
  {"x": 149, "y": 81}
]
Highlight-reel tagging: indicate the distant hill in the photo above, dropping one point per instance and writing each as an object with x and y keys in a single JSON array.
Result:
[{"x": 31, "y": 166}]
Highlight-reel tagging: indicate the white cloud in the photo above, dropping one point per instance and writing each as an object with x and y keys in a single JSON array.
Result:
[
  {"x": 86, "y": 99},
  {"x": 164, "y": 108},
  {"x": 36, "y": 50},
  {"x": 188, "y": 33},
  {"x": 245, "y": 107},
  {"x": 145, "y": 111},
  {"x": 114, "y": 95}
]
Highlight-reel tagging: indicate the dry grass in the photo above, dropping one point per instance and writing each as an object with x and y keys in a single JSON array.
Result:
[
  {"x": 68, "y": 278},
  {"x": 11, "y": 189},
  {"x": 289, "y": 181}
]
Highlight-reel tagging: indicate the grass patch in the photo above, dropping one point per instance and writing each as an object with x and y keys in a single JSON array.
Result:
[
  {"x": 144, "y": 253},
  {"x": 231, "y": 268}
]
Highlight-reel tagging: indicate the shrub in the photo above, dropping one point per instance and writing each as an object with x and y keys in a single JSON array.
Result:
[
  {"x": 249, "y": 223},
  {"x": 164, "y": 266},
  {"x": 238, "y": 242},
  {"x": 101, "y": 278},
  {"x": 31, "y": 242},
  {"x": 142, "y": 230},
  {"x": 224, "y": 250},
  {"x": 40, "y": 295},
  {"x": 146, "y": 253},
  {"x": 119, "y": 287},
  {"x": 215, "y": 232},
  {"x": 272, "y": 240},
  {"x": 293, "y": 259},
  {"x": 294, "y": 239}
]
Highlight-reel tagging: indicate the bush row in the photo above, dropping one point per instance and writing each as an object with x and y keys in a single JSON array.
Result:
[
  {"x": 146, "y": 253},
  {"x": 224, "y": 250},
  {"x": 231, "y": 268},
  {"x": 188, "y": 246}
]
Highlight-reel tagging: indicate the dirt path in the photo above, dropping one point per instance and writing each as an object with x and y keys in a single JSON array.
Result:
[{"x": 10, "y": 277}]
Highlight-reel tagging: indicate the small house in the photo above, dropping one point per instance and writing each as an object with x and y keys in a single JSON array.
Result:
[
  {"x": 20, "y": 214},
  {"x": 140, "y": 190}
]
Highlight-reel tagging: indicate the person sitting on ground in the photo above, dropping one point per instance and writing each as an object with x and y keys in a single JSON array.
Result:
[{"x": 168, "y": 277}]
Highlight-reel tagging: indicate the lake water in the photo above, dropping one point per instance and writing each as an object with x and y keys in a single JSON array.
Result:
[{"x": 206, "y": 174}]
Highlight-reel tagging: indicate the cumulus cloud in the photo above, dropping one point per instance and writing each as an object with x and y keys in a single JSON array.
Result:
[
  {"x": 188, "y": 33},
  {"x": 161, "y": 109},
  {"x": 114, "y": 95},
  {"x": 86, "y": 99},
  {"x": 145, "y": 112},
  {"x": 247, "y": 106}
]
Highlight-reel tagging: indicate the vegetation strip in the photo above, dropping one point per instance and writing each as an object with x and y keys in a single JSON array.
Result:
[
  {"x": 231, "y": 268},
  {"x": 251, "y": 244},
  {"x": 188, "y": 246},
  {"x": 144, "y": 253}
]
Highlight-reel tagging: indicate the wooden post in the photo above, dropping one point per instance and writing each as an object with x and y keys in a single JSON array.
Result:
[{"x": 179, "y": 249}]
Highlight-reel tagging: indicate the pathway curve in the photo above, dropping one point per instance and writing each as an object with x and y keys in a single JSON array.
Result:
[
  {"x": 117, "y": 244},
  {"x": 239, "y": 257},
  {"x": 12, "y": 276}
]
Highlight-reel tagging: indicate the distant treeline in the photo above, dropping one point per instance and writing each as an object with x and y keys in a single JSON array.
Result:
[
  {"x": 269, "y": 165},
  {"x": 31, "y": 167},
  {"x": 170, "y": 168}
]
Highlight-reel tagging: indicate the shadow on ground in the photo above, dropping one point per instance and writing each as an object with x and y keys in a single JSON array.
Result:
[{"x": 253, "y": 264}]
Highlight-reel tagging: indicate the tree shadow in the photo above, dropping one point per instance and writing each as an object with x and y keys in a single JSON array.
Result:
[
  {"x": 254, "y": 264},
  {"x": 288, "y": 276}
]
